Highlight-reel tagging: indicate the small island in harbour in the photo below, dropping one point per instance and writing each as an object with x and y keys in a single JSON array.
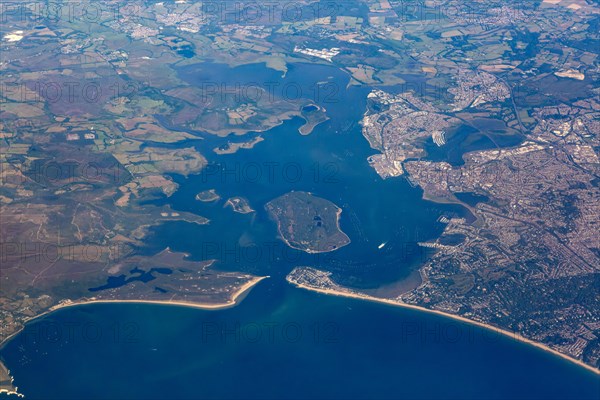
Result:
[
  {"x": 313, "y": 115},
  {"x": 207, "y": 196},
  {"x": 239, "y": 205},
  {"x": 307, "y": 222}
]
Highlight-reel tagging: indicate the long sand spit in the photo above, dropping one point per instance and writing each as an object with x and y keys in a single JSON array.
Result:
[{"x": 234, "y": 300}]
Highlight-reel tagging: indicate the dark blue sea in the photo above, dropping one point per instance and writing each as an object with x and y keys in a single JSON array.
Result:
[{"x": 281, "y": 342}]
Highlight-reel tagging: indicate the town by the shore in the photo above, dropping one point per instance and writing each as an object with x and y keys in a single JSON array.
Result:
[{"x": 397, "y": 303}]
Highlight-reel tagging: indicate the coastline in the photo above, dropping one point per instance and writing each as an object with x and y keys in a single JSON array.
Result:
[
  {"x": 445, "y": 200},
  {"x": 391, "y": 302},
  {"x": 8, "y": 389},
  {"x": 11, "y": 392},
  {"x": 238, "y": 296},
  {"x": 454, "y": 201}
]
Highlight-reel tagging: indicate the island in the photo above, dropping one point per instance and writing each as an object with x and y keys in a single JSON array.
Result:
[
  {"x": 307, "y": 222},
  {"x": 239, "y": 205},
  {"x": 313, "y": 115},
  {"x": 207, "y": 196}
]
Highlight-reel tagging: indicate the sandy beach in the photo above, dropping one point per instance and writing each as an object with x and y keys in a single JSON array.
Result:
[
  {"x": 234, "y": 300},
  {"x": 238, "y": 295},
  {"x": 455, "y": 317}
]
